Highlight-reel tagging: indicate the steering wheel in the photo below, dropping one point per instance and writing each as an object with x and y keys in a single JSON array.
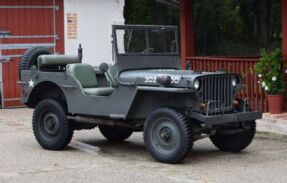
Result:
[{"x": 148, "y": 50}]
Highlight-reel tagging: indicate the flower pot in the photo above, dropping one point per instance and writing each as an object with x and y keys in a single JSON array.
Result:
[{"x": 275, "y": 103}]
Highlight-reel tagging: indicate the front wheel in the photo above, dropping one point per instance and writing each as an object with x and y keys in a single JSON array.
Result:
[
  {"x": 235, "y": 142},
  {"x": 167, "y": 135},
  {"x": 50, "y": 125}
]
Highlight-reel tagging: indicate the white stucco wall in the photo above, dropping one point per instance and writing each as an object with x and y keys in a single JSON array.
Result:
[{"x": 95, "y": 18}]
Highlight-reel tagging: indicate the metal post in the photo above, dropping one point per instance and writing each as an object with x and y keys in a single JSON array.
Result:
[
  {"x": 54, "y": 22},
  {"x": 1, "y": 79},
  {"x": 186, "y": 31},
  {"x": 284, "y": 40}
]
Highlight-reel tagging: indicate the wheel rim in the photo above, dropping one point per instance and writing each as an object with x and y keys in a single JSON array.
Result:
[
  {"x": 165, "y": 136},
  {"x": 49, "y": 124}
]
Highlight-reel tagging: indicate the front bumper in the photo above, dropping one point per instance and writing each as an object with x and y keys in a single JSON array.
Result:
[{"x": 226, "y": 118}]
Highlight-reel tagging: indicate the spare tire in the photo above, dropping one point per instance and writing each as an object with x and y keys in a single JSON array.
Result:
[{"x": 29, "y": 59}]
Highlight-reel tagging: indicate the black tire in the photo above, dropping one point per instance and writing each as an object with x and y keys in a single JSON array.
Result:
[
  {"x": 51, "y": 128},
  {"x": 115, "y": 133},
  {"x": 30, "y": 57},
  {"x": 239, "y": 141},
  {"x": 235, "y": 142},
  {"x": 167, "y": 135}
]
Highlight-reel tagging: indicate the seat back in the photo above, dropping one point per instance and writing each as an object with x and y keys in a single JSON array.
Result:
[
  {"x": 112, "y": 74},
  {"x": 84, "y": 73}
]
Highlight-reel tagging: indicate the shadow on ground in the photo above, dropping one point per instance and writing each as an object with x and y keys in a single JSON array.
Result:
[{"x": 129, "y": 150}]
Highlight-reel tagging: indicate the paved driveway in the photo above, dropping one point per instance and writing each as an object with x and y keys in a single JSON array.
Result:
[{"x": 90, "y": 158}]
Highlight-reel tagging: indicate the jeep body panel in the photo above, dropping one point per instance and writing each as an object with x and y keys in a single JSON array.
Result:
[
  {"x": 118, "y": 103},
  {"x": 126, "y": 101},
  {"x": 180, "y": 78},
  {"x": 77, "y": 101}
]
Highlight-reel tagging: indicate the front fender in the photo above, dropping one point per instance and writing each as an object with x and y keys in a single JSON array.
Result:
[{"x": 147, "y": 99}]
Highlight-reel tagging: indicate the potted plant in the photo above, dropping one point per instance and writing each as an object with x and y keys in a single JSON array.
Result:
[{"x": 271, "y": 78}]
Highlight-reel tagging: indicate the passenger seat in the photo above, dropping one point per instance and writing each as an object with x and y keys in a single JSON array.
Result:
[{"x": 85, "y": 74}]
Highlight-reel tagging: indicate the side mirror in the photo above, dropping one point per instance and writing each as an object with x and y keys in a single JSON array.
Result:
[{"x": 104, "y": 67}]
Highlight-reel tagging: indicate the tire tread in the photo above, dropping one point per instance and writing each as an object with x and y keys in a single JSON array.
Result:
[
  {"x": 65, "y": 140},
  {"x": 185, "y": 124},
  {"x": 243, "y": 140}
]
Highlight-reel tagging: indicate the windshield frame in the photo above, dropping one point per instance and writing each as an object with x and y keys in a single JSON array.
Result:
[{"x": 144, "y": 27}]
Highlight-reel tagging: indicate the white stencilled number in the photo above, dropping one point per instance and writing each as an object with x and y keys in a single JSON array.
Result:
[
  {"x": 150, "y": 79},
  {"x": 175, "y": 80}
]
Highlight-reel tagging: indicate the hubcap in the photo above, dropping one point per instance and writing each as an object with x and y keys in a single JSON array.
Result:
[
  {"x": 50, "y": 124},
  {"x": 165, "y": 135}
]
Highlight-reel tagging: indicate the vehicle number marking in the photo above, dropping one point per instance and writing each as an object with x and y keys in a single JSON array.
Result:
[
  {"x": 175, "y": 80},
  {"x": 152, "y": 79}
]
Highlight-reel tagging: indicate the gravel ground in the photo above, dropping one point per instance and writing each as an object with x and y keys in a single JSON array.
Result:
[{"x": 90, "y": 158}]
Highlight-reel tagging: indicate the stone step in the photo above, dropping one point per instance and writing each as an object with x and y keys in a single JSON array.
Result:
[
  {"x": 273, "y": 123},
  {"x": 275, "y": 116}
]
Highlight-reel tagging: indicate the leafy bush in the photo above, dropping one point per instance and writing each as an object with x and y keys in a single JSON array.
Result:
[{"x": 270, "y": 72}]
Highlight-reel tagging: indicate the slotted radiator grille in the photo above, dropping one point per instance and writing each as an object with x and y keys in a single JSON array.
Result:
[{"x": 217, "y": 92}]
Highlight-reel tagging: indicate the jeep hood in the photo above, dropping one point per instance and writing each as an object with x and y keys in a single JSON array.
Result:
[{"x": 180, "y": 78}]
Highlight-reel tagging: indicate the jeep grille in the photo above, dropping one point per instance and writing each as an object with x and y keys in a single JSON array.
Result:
[{"x": 217, "y": 93}]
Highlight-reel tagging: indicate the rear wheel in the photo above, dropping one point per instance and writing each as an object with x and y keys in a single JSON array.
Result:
[
  {"x": 115, "y": 133},
  {"x": 167, "y": 135},
  {"x": 51, "y": 128}
]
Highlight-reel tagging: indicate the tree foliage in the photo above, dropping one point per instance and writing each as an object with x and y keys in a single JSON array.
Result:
[{"x": 222, "y": 27}]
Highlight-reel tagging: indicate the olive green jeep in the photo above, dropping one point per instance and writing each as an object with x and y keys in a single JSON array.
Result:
[{"x": 144, "y": 90}]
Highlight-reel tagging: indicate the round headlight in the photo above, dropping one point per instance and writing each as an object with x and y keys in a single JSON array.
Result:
[
  {"x": 234, "y": 81},
  {"x": 196, "y": 84}
]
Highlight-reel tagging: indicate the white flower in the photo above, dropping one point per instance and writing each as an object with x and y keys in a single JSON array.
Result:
[
  {"x": 274, "y": 78},
  {"x": 266, "y": 88},
  {"x": 286, "y": 71},
  {"x": 263, "y": 84},
  {"x": 260, "y": 75}
]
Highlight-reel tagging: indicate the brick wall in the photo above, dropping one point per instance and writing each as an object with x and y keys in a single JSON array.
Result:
[{"x": 72, "y": 23}]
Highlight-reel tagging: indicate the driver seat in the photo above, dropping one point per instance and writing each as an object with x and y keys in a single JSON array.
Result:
[{"x": 86, "y": 76}]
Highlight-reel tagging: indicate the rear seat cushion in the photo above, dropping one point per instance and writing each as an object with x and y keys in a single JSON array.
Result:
[{"x": 57, "y": 60}]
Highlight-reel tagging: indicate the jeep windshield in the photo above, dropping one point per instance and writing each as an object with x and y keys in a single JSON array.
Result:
[
  {"x": 146, "y": 40},
  {"x": 145, "y": 47}
]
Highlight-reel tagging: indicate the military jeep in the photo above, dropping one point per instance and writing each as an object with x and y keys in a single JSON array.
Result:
[{"x": 144, "y": 90}]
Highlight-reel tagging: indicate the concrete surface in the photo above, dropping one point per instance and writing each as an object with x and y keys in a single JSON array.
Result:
[{"x": 90, "y": 158}]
